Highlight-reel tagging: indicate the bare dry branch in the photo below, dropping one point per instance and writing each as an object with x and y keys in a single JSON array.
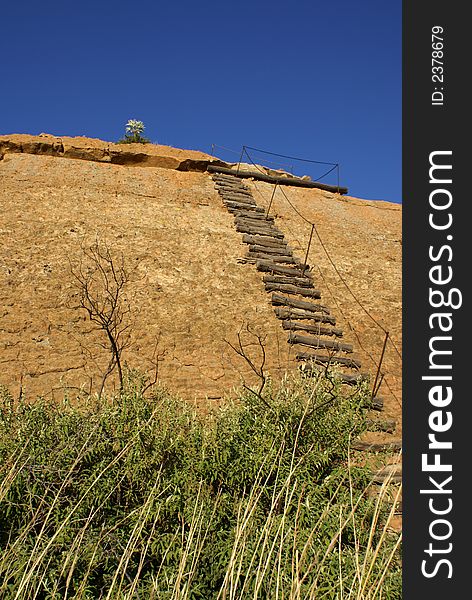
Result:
[
  {"x": 157, "y": 357},
  {"x": 241, "y": 349},
  {"x": 102, "y": 281}
]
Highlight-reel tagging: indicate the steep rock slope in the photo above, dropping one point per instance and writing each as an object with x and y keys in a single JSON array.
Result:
[{"x": 190, "y": 290}]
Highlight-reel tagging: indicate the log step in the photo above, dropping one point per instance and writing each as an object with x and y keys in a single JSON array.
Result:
[
  {"x": 376, "y": 404},
  {"x": 280, "y": 300},
  {"x": 256, "y": 222},
  {"x": 246, "y": 202},
  {"x": 299, "y": 314},
  {"x": 317, "y": 329},
  {"x": 394, "y": 445},
  {"x": 252, "y": 214},
  {"x": 230, "y": 191},
  {"x": 233, "y": 181},
  {"x": 239, "y": 203},
  {"x": 263, "y": 241},
  {"x": 271, "y": 250},
  {"x": 381, "y": 479},
  {"x": 259, "y": 231},
  {"x": 238, "y": 198},
  {"x": 317, "y": 342},
  {"x": 294, "y": 314},
  {"x": 326, "y": 359},
  {"x": 228, "y": 181},
  {"x": 303, "y": 281},
  {"x": 270, "y": 267},
  {"x": 385, "y": 425},
  {"x": 225, "y": 177},
  {"x": 292, "y": 289},
  {"x": 278, "y": 258},
  {"x": 233, "y": 193},
  {"x": 390, "y": 473},
  {"x": 231, "y": 206}
]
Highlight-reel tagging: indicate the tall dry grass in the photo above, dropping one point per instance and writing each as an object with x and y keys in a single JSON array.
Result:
[{"x": 142, "y": 498}]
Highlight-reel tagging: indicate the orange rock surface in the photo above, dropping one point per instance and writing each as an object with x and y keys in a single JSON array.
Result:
[{"x": 189, "y": 293}]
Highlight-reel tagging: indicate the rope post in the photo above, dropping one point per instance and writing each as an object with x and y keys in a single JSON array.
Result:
[
  {"x": 212, "y": 149},
  {"x": 382, "y": 377},
  {"x": 271, "y": 198},
  {"x": 338, "y": 175},
  {"x": 374, "y": 388},
  {"x": 308, "y": 249},
  {"x": 240, "y": 159}
]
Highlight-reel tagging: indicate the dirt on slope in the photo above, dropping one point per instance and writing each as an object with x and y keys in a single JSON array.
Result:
[{"x": 190, "y": 293}]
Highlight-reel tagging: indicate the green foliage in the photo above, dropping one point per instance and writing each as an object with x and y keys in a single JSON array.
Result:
[
  {"x": 134, "y": 130},
  {"x": 143, "y": 498}
]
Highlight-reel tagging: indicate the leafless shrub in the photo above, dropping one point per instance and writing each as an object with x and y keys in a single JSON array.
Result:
[
  {"x": 102, "y": 280},
  {"x": 247, "y": 341},
  {"x": 156, "y": 359}
]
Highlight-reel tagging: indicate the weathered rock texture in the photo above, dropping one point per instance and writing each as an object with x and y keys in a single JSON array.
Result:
[
  {"x": 145, "y": 155},
  {"x": 189, "y": 293}
]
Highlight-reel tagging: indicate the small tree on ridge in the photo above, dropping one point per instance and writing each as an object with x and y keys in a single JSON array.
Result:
[{"x": 134, "y": 130}]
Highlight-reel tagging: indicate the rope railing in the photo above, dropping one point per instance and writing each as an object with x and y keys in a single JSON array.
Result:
[
  {"x": 333, "y": 264},
  {"x": 313, "y": 229},
  {"x": 313, "y": 225},
  {"x": 333, "y": 166},
  {"x": 237, "y": 153},
  {"x": 289, "y": 167}
]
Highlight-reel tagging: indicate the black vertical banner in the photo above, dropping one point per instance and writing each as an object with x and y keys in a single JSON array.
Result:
[{"x": 437, "y": 359}]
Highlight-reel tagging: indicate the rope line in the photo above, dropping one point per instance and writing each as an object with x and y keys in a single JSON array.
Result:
[
  {"x": 237, "y": 152},
  {"x": 327, "y": 173},
  {"x": 325, "y": 283},
  {"x": 352, "y": 328},
  {"x": 312, "y": 224},
  {"x": 226, "y": 149},
  {"x": 296, "y": 210},
  {"x": 252, "y": 162},
  {"x": 316, "y": 162},
  {"x": 374, "y": 320},
  {"x": 333, "y": 168}
]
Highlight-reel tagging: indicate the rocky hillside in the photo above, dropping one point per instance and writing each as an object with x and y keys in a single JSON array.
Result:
[{"x": 190, "y": 291}]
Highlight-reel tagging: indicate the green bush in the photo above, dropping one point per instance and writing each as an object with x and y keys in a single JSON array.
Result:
[
  {"x": 134, "y": 130},
  {"x": 143, "y": 498}
]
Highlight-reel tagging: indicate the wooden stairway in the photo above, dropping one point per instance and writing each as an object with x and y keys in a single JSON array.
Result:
[{"x": 311, "y": 327}]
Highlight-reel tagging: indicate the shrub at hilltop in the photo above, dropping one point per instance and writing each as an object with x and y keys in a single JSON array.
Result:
[
  {"x": 143, "y": 498},
  {"x": 134, "y": 133}
]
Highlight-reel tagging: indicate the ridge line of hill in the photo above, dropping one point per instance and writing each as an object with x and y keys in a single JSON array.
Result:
[{"x": 145, "y": 155}]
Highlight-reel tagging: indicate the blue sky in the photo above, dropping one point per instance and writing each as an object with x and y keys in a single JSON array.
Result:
[{"x": 318, "y": 80}]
